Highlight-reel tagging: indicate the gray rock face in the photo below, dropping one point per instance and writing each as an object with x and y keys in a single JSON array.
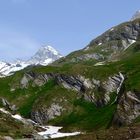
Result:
[
  {"x": 7, "y": 105},
  {"x": 83, "y": 85},
  {"x": 45, "y": 114},
  {"x": 24, "y": 82},
  {"x": 40, "y": 80},
  {"x": 69, "y": 82},
  {"x": 86, "y": 57},
  {"x": 129, "y": 31},
  {"x": 113, "y": 85},
  {"x": 54, "y": 110},
  {"x": 128, "y": 108},
  {"x": 5, "y": 102}
]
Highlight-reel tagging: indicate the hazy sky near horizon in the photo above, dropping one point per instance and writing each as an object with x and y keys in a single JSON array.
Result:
[{"x": 67, "y": 25}]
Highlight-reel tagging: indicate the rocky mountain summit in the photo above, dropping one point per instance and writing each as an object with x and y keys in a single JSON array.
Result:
[{"x": 44, "y": 56}]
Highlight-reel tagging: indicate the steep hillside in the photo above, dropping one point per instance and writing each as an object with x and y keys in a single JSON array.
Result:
[{"x": 108, "y": 46}]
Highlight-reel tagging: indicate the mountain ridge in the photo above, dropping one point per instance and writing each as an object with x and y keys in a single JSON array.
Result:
[{"x": 108, "y": 46}]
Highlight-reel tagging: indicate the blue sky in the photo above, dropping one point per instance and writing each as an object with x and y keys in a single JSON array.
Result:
[{"x": 67, "y": 25}]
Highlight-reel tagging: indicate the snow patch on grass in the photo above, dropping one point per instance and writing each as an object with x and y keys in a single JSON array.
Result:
[
  {"x": 53, "y": 132},
  {"x": 99, "y": 64}
]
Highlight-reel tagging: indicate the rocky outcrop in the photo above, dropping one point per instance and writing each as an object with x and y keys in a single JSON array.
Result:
[
  {"x": 92, "y": 90},
  {"x": 113, "y": 85},
  {"x": 24, "y": 82},
  {"x": 7, "y": 105},
  {"x": 88, "y": 88},
  {"x": 124, "y": 32},
  {"x": 44, "y": 114},
  {"x": 87, "y": 57},
  {"x": 128, "y": 108},
  {"x": 101, "y": 91},
  {"x": 69, "y": 82}
]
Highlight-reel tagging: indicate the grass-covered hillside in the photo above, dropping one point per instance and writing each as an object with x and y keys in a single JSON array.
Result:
[{"x": 79, "y": 113}]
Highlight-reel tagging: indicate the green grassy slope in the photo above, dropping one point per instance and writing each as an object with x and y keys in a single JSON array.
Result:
[{"x": 93, "y": 117}]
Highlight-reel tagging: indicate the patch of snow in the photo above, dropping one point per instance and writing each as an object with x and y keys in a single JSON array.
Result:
[
  {"x": 126, "y": 45},
  {"x": 52, "y": 50},
  {"x": 132, "y": 41},
  {"x": 99, "y": 64},
  {"x": 31, "y": 121},
  {"x": 60, "y": 135},
  {"x": 7, "y": 69},
  {"x": 49, "y": 130},
  {"x": 86, "y": 48},
  {"x": 111, "y": 29},
  {"x": 2, "y": 64},
  {"x": 18, "y": 117},
  {"x": 4, "y": 111},
  {"x": 47, "y": 61},
  {"x": 53, "y": 132},
  {"x": 99, "y": 44}
]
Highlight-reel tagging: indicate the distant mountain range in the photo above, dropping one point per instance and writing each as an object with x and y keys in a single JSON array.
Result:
[{"x": 44, "y": 56}]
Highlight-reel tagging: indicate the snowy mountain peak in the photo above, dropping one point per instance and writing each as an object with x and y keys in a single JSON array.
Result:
[
  {"x": 44, "y": 56},
  {"x": 3, "y": 64},
  {"x": 136, "y": 15},
  {"x": 49, "y": 49}
]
